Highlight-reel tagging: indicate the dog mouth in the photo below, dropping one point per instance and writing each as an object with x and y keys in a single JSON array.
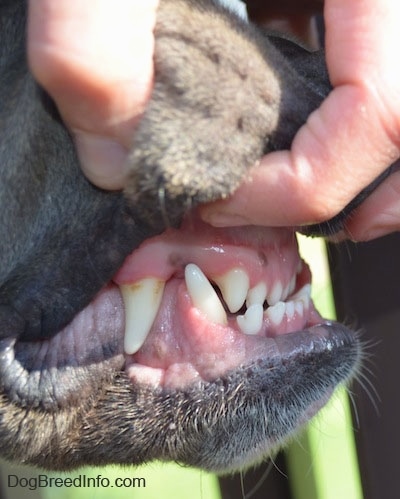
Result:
[
  {"x": 187, "y": 307},
  {"x": 201, "y": 301},
  {"x": 214, "y": 329}
]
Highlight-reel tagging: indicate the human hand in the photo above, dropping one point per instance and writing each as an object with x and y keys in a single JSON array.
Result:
[
  {"x": 345, "y": 144},
  {"x": 99, "y": 70}
]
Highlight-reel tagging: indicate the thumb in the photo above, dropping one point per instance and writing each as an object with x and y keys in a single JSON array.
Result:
[{"x": 95, "y": 60}]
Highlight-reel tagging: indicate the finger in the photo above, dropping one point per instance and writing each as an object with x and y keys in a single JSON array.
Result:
[
  {"x": 95, "y": 59},
  {"x": 347, "y": 142},
  {"x": 313, "y": 182},
  {"x": 379, "y": 214}
]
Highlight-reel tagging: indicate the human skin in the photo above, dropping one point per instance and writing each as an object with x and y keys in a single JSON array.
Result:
[
  {"x": 82, "y": 53},
  {"x": 345, "y": 144}
]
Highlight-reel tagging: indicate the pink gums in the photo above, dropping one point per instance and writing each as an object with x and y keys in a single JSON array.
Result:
[
  {"x": 266, "y": 254},
  {"x": 183, "y": 346}
]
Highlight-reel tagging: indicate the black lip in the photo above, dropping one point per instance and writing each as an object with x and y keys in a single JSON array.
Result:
[
  {"x": 336, "y": 223},
  {"x": 56, "y": 382},
  {"x": 238, "y": 419},
  {"x": 289, "y": 389}
]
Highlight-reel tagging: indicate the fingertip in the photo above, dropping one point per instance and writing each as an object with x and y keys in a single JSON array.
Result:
[
  {"x": 379, "y": 214},
  {"x": 103, "y": 160}
]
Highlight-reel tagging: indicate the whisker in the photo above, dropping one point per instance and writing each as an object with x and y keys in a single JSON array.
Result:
[
  {"x": 260, "y": 482},
  {"x": 163, "y": 209}
]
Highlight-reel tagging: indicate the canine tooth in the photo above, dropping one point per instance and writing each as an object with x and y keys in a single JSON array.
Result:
[
  {"x": 276, "y": 313},
  {"x": 275, "y": 295},
  {"x": 234, "y": 286},
  {"x": 256, "y": 294},
  {"x": 289, "y": 309},
  {"x": 142, "y": 300},
  {"x": 251, "y": 321},
  {"x": 203, "y": 295}
]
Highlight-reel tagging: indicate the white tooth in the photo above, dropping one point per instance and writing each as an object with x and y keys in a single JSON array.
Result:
[
  {"x": 256, "y": 294},
  {"x": 203, "y": 295},
  {"x": 304, "y": 295},
  {"x": 289, "y": 309},
  {"x": 289, "y": 288},
  {"x": 234, "y": 286},
  {"x": 251, "y": 321},
  {"x": 276, "y": 313},
  {"x": 299, "y": 307},
  {"x": 275, "y": 295},
  {"x": 142, "y": 300}
]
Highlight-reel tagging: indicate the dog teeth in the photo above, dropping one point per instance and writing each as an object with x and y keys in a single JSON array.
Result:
[
  {"x": 303, "y": 296},
  {"x": 234, "y": 286},
  {"x": 275, "y": 295},
  {"x": 251, "y": 321},
  {"x": 289, "y": 309},
  {"x": 142, "y": 300},
  {"x": 276, "y": 312},
  {"x": 298, "y": 304},
  {"x": 256, "y": 294},
  {"x": 289, "y": 288},
  {"x": 299, "y": 307},
  {"x": 203, "y": 295}
]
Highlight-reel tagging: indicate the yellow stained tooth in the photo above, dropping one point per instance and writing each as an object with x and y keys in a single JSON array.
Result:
[
  {"x": 203, "y": 295},
  {"x": 142, "y": 300}
]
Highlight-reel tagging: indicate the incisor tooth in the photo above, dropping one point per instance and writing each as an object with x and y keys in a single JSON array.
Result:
[
  {"x": 203, "y": 295},
  {"x": 299, "y": 307},
  {"x": 276, "y": 313},
  {"x": 256, "y": 294},
  {"x": 234, "y": 286},
  {"x": 142, "y": 300},
  {"x": 304, "y": 295},
  {"x": 289, "y": 309},
  {"x": 251, "y": 321},
  {"x": 275, "y": 295}
]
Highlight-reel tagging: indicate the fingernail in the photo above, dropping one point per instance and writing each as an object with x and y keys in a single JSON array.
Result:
[
  {"x": 220, "y": 219},
  {"x": 102, "y": 160}
]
